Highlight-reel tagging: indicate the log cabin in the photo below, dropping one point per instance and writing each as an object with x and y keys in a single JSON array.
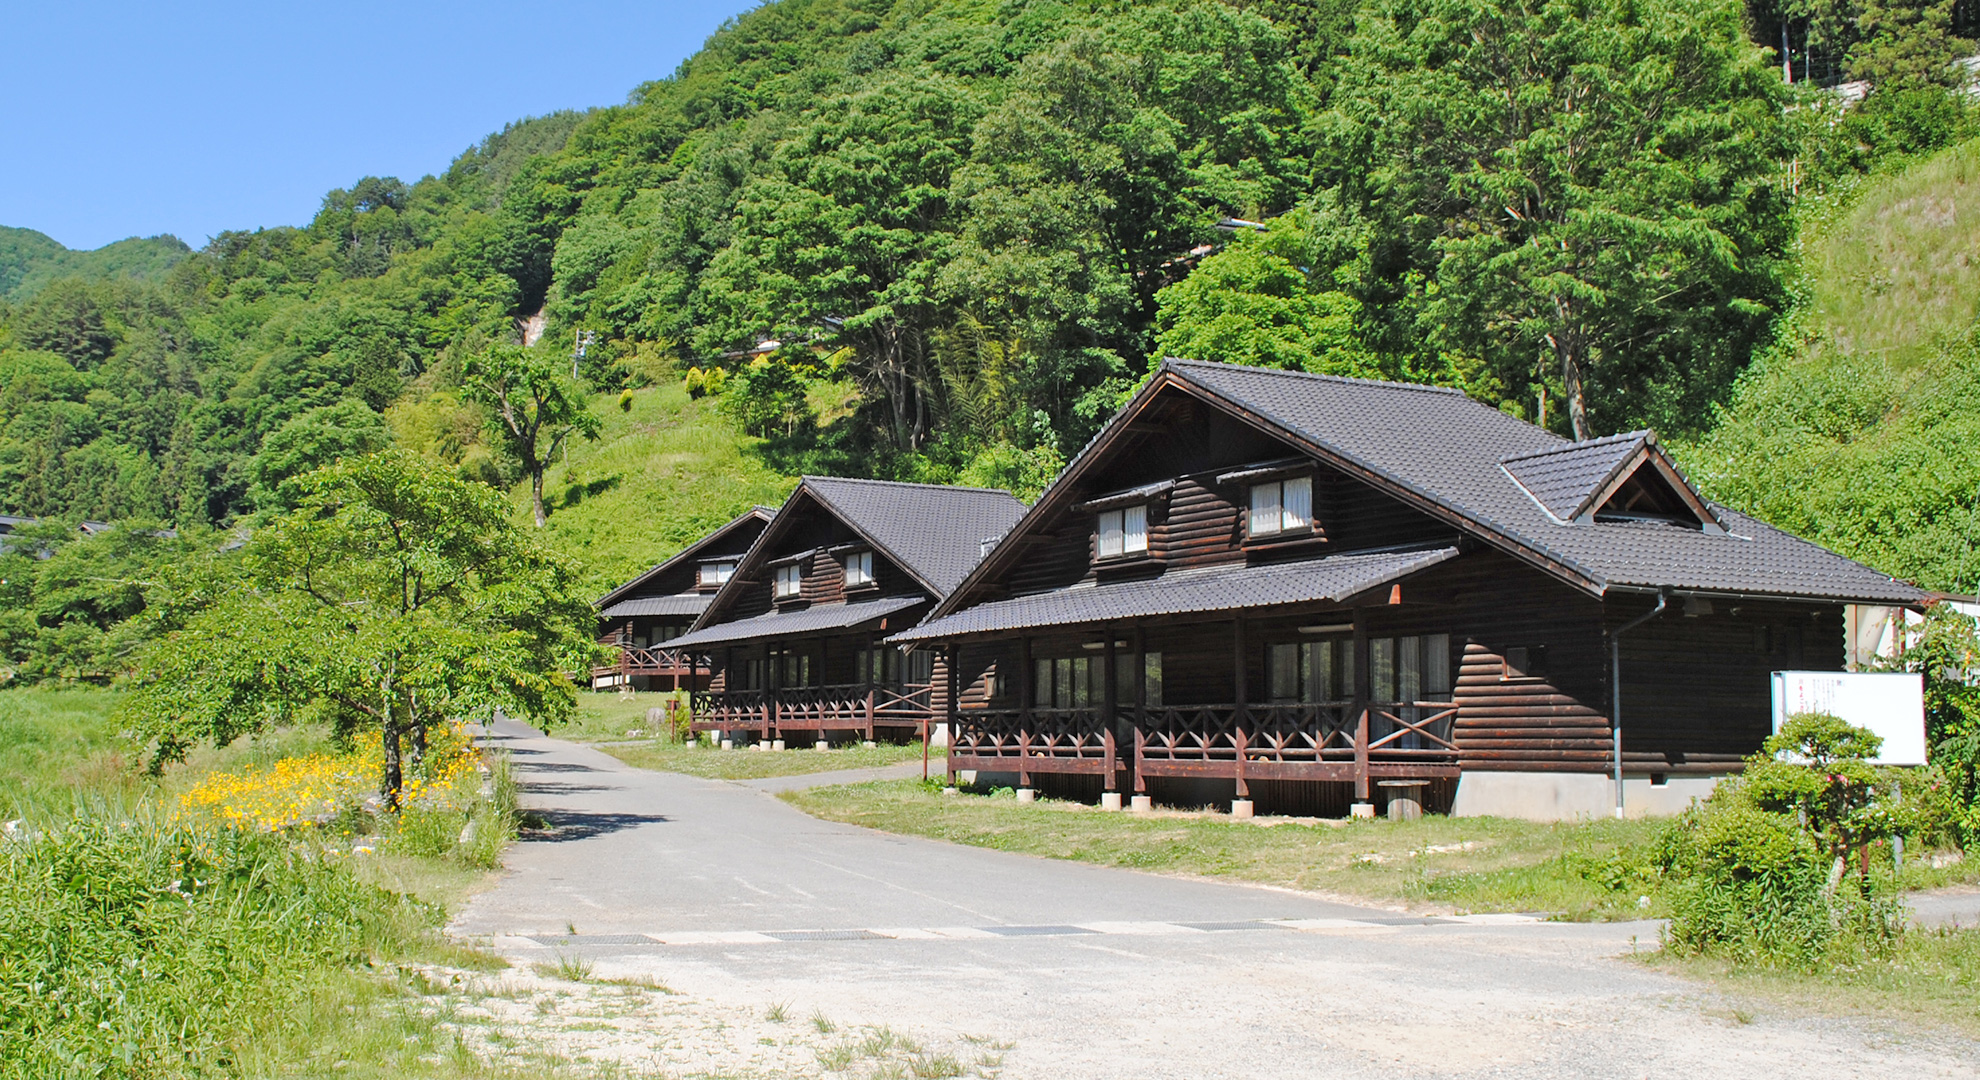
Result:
[
  {"x": 794, "y": 638},
  {"x": 1320, "y": 594},
  {"x": 640, "y": 619}
]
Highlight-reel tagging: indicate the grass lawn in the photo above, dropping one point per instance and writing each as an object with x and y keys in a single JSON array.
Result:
[
  {"x": 604, "y": 716},
  {"x": 699, "y": 759},
  {"x": 1576, "y": 871}
]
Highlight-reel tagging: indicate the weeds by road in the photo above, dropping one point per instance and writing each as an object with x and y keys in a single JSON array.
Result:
[{"x": 1931, "y": 977}]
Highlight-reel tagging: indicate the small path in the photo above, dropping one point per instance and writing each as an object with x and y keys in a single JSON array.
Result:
[
  {"x": 1956, "y": 906},
  {"x": 740, "y": 902}
]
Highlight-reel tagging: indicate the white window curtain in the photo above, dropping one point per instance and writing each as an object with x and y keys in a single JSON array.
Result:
[
  {"x": 859, "y": 569},
  {"x": 1123, "y": 532},
  {"x": 1267, "y": 517},
  {"x": 1297, "y": 500},
  {"x": 790, "y": 580},
  {"x": 1282, "y": 506}
]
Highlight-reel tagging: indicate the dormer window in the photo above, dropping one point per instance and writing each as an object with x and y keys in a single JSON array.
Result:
[
  {"x": 1123, "y": 532},
  {"x": 714, "y": 575},
  {"x": 1281, "y": 507},
  {"x": 859, "y": 569},
  {"x": 789, "y": 581}
]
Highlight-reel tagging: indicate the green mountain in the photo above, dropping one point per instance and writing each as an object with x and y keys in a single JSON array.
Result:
[
  {"x": 969, "y": 228},
  {"x": 30, "y": 260}
]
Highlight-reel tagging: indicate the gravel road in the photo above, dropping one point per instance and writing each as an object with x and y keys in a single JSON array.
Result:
[{"x": 743, "y": 904}]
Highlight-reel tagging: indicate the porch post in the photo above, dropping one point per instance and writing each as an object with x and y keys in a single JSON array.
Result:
[
  {"x": 1108, "y": 694},
  {"x": 951, "y": 710},
  {"x": 1140, "y": 706},
  {"x": 1361, "y": 786},
  {"x": 1025, "y": 692},
  {"x": 1240, "y": 718}
]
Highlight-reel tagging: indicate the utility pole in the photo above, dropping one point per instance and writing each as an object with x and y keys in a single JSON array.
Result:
[{"x": 581, "y": 342}]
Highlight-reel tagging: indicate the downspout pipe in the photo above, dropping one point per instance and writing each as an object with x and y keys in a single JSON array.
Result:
[{"x": 1615, "y": 688}]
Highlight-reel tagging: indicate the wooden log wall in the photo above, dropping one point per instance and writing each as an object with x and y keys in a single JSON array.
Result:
[{"x": 1697, "y": 694}]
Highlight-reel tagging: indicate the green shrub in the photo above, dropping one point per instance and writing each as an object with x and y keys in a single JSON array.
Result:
[
  {"x": 1747, "y": 885},
  {"x": 134, "y": 949}
]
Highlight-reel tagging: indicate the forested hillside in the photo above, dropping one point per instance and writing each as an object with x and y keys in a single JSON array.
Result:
[
  {"x": 942, "y": 240},
  {"x": 1860, "y": 429}
]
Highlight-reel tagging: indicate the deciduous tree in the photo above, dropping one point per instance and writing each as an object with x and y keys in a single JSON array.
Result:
[
  {"x": 533, "y": 407},
  {"x": 397, "y": 596}
]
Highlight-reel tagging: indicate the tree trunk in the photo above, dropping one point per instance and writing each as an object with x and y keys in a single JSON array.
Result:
[
  {"x": 536, "y": 493},
  {"x": 394, "y": 777},
  {"x": 416, "y": 735},
  {"x": 1572, "y": 351}
]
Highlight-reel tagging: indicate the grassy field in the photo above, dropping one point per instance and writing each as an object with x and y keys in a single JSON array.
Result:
[
  {"x": 1895, "y": 272},
  {"x": 1578, "y": 871},
  {"x": 699, "y": 759},
  {"x": 663, "y": 474},
  {"x": 604, "y": 716}
]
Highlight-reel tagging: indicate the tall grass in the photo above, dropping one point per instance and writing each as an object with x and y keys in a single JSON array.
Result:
[
  {"x": 139, "y": 940},
  {"x": 131, "y": 947}
]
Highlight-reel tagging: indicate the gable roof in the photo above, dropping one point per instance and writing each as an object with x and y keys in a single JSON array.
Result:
[
  {"x": 1439, "y": 451},
  {"x": 1565, "y": 479},
  {"x": 1576, "y": 480},
  {"x": 691, "y": 553},
  {"x": 934, "y": 532},
  {"x": 777, "y": 624}
]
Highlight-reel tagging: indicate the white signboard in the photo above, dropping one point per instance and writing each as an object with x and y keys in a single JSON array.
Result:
[{"x": 1891, "y": 705}]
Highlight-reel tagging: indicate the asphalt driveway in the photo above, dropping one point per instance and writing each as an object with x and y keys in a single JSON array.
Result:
[{"x": 723, "y": 891}]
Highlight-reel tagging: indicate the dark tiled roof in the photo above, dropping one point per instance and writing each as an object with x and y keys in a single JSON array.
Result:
[
  {"x": 688, "y": 554},
  {"x": 933, "y": 531},
  {"x": 1564, "y": 478},
  {"x": 682, "y": 604},
  {"x": 1219, "y": 588},
  {"x": 1446, "y": 448},
  {"x": 779, "y": 624}
]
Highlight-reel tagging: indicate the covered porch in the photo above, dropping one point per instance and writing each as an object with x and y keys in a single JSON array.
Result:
[
  {"x": 822, "y": 670},
  {"x": 1338, "y": 683}
]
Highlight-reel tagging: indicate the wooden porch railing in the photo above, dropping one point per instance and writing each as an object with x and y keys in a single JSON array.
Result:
[
  {"x": 1332, "y": 741},
  {"x": 846, "y": 707},
  {"x": 648, "y": 660}
]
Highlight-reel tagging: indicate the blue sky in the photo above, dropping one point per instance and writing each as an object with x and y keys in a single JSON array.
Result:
[{"x": 133, "y": 119}]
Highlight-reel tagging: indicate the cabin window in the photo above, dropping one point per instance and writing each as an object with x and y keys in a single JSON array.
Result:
[
  {"x": 1405, "y": 669},
  {"x": 1526, "y": 662},
  {"x": 716, "y": 574},
  {"x": 880, "y": 665},
  {"x": 1310, "y": 672},
  {"x": 1124, "y": 532},
  {"x": 749, "y": 675},
  {"x": 920, "y": 665},
  {"x": 859, "y": 569},
  {"x": 1126, "y": 667},
  {"x": 1282, "y": 506},
  {"x": 790, "y": 581},
  {"x": 1077, "y": 682},
  {"x": 791, "y": 667}
]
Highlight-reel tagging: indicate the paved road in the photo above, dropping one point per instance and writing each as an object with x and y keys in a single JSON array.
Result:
[{"x": 723, "y": 891}]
